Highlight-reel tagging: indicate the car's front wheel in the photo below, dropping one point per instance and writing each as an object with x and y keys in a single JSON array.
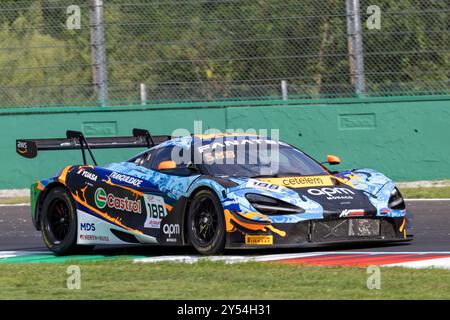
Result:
[
  {"x": 206, "y": 223},
  {"x": 59, "y": 223}
]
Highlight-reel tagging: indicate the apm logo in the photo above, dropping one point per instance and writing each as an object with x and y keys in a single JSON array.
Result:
[
  {"x": 332, "y": 193},
  {"x": 171, "y": 229},
  {"x": 100, "y": 198}
]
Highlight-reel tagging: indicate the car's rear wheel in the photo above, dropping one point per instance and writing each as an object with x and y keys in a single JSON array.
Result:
[
  {"x": 206, "y": 223},
  {"x": 59, "y": 223}
]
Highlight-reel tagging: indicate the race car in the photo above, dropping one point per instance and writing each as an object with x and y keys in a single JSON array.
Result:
[{"x": 212, "y": 192}]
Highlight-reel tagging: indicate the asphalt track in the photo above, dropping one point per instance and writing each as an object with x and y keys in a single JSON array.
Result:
[{"x": 430, "y": 227}]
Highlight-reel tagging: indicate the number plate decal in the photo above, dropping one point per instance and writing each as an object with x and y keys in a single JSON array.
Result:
[
  {"x": 364, "y": 227},
  {"x": 156, "y": 211}
]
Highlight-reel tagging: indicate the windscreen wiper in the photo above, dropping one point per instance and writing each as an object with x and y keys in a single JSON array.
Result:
[{"x": 264, "y": 176}]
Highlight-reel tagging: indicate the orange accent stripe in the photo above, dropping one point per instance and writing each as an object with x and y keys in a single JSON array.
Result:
[
  {"x": 40, "y": 186},
  {"x": 63, "y": 176},
  {"x": 139, "y": 193},
  {"x": 277, "y": 231},
  {"x": 250, "y": 226},
  {"x": 403, "y": 225}
]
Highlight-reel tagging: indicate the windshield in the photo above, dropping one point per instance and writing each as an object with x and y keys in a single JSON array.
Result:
[{"x": 267, "y": 160}]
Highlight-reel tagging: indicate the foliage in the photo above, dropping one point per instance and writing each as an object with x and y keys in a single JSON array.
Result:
[{"x": 224, "y": 49}]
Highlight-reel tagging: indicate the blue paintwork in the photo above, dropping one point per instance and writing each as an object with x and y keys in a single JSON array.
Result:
[{"x": 375, "y": 185}]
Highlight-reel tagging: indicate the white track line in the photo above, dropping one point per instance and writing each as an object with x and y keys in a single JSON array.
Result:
[
  {"x": 270, "y": 257},
  {"x": 441, "y": 263},
  {"x": 15, "y": 205},
  {"x": 425, "y": 200},
  {"x": 226, "y": 259},
  {"x": 387, "y": 252},
  {"x": 12, "y": 254}
]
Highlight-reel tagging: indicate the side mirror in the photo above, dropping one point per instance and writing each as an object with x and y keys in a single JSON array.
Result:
[
  {"x": 167, "y": 165},
  {"x": 333, "y": 160}
]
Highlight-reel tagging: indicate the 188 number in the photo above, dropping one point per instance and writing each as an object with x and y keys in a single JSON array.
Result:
[{"x": 156, "y": 210}]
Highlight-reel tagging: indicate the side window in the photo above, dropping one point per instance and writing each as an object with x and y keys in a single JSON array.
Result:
[
  {"x": 146, "y": 159},
  {"x": 163, "y": 154}
]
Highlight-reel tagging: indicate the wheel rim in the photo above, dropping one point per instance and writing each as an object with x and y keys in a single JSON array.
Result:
[
  {"x": 204, "y": 221},
  {"x": 58, "y": 220}
]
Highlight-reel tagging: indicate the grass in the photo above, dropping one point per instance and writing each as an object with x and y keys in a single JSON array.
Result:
[
  {"x": 426, "y": 193},
  {"x": 216, "y": 280}
]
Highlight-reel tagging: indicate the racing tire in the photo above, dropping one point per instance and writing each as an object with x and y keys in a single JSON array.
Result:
[
  {"x": 206, "y": 223},
  {"x": 59, "y": 223}
]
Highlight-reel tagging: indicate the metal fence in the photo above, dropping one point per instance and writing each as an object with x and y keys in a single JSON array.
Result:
[{"x": 58, "y": 52}]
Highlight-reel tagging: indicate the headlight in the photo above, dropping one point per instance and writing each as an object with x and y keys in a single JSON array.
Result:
[
  {"x": 269, "y": 205},
  {"x": 396, "y": 201}
]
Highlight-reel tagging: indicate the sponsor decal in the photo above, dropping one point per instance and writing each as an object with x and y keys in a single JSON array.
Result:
[
  {"x": 156, "y": 211},
  {"x": 300, "y": 182},
  {"x": 352, "y": 213},
  {"x": 219, "y": 155},
  {"x": 123, "y": 204},
  {"x": 262, "y": 185},
  {"x": 230, "y": 202},
  {"x": 87, "y": 174},
  {"x": 127, "y": 179},
  {"x": 259, "y": 240},
  {"x": 333, "y": 193},
  {"x": 87, "y": 226},
  {"x": 171, "y": 229},
  {"x": 91, "y": 237},
  {"x": 385, "y": 211},
  {"x": 100, "y": 198},
  {"x": 22, "y": 146},
  {"x": 231, "y": 142}
]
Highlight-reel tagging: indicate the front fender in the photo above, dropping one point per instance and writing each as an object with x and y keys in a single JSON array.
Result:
[
  {"x": 38, "y": 191},
  {"x": 368, "y": 180},
  {"x": 376, "y": 185},
  {"x": 209, "y": 182}
]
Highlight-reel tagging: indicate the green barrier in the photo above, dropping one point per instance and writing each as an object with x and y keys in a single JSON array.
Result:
[{"x": 407, "y": 138}]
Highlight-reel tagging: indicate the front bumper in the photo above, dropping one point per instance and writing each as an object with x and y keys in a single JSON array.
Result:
[{"x": 321, "y": 232}]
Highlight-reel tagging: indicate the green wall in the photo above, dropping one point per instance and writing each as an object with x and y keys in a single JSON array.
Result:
[{"x": 406, "y": 138}]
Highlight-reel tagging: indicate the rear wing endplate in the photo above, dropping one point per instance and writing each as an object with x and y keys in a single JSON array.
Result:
[{"x": 75, "y": 140}]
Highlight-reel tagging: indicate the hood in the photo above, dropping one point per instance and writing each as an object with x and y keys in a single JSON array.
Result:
[
  {"x": 362, "y": 192},
  {"x": 345, "y": 194}
]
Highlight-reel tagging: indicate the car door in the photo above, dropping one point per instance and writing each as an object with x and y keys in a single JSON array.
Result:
[{"x": 165, "y": 201}]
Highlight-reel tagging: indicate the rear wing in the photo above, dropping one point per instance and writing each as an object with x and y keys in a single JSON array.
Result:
[{"x": 75, "y": 140}]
